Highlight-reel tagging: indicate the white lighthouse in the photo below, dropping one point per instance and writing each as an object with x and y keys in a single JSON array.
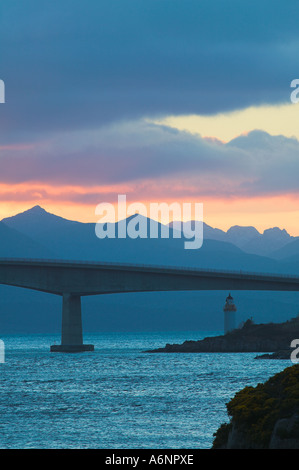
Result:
[{"x": 229, "y": 314}]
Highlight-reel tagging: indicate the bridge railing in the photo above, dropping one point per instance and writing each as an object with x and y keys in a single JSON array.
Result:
[{"x": 134, "y": 265}]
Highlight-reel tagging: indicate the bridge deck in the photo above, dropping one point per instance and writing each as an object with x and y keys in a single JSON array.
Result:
[{"x": 72, "y": 279}]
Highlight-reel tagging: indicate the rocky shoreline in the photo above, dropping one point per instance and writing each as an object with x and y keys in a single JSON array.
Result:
[
  {"x": 282, "y": 354},
  {"x": 263, "y": 417},
  {"x": 271, "y": 338}
]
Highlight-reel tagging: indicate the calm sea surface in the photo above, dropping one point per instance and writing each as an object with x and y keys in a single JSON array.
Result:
[{"x": 119, "y": 397}]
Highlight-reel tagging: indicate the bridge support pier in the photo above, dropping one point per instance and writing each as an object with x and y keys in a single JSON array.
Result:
[{"x": 71, "y": 329}]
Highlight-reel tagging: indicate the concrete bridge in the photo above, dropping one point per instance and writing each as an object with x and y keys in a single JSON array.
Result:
[{"x": 73, "y": 279}]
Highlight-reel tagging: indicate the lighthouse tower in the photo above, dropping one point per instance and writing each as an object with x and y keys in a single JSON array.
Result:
[{"x": 229, "y": 314}]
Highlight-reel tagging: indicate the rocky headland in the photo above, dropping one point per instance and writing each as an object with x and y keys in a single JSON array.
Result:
[
  {"x": 273, "y": 338},
  {"x": 265, "y": 416}
]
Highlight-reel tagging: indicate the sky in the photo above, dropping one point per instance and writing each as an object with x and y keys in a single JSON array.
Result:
[{"x": 161, "y": 100}]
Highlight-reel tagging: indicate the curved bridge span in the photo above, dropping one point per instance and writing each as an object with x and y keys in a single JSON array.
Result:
[{"x": 73, "y": 279}]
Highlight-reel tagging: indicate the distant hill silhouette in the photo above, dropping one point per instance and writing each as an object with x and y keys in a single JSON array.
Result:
[
  {"x": 36, "y": 221},
  {"x": 250, "y": 240},
  {"x": 16, "y": 244},
  {"x": 287, "y": 252}
]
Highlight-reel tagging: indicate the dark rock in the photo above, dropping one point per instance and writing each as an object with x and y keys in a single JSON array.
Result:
[
  {"x": 264, "y": 338},
  {"x": 285, "y": 433},
  {"x": 282, "y": 354},
  {"x": 265, "y": 416}
]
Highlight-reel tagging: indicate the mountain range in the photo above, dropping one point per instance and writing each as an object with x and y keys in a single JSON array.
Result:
[
  {"x": 36, "y": 233},
  {"x": 36, "y": 230},
  {"x": 250, "y": 240}
]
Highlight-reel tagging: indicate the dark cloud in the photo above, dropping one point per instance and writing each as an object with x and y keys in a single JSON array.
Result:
[
  {"x": 70, "y": 64},
  {"x": 146, "y": 156}
]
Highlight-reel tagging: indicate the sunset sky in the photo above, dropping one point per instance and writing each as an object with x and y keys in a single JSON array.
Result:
[{"x": 161, "y": 100}]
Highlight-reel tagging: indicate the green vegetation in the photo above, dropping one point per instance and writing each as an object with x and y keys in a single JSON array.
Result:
[{"x": 255, "y": 410}]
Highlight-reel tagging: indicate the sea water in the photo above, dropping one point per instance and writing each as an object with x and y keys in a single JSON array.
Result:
[{"x": 118, "y": 396}]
